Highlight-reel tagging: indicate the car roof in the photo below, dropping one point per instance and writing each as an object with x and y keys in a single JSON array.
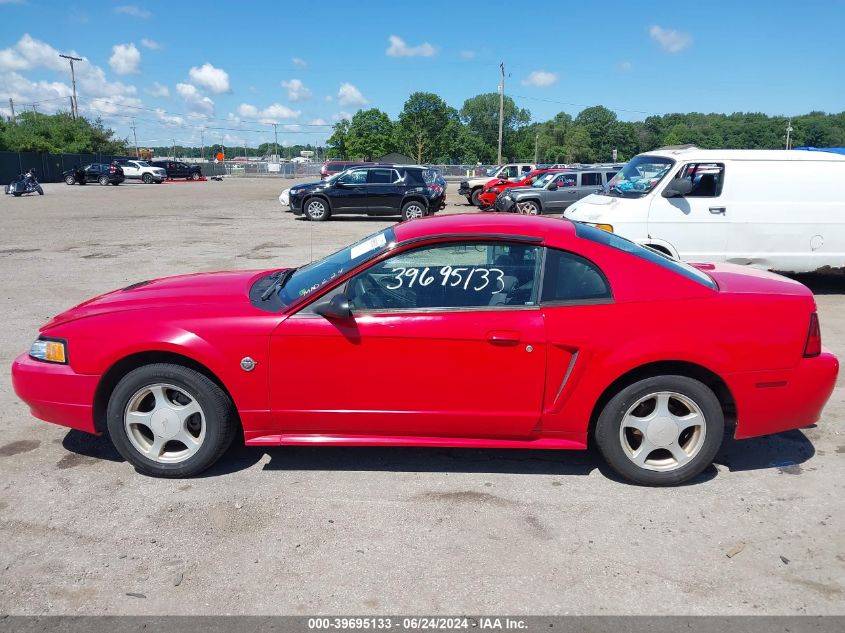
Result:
[
  {"x": 547, "y": 229},
  {"x": 694, "y": 153}
]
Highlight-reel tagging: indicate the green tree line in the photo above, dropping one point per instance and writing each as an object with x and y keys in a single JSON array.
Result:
[{"x": 58, "y": 133}]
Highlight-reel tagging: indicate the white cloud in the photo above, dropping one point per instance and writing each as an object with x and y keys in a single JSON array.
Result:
[
  {"x": 349, "y": 95},
  {"x": 133, "y": 10},
  {"x": 318, "y": 121},
  {"x": 624, "y": 67},
  {"x": 125, "y": 59},
  {"x": 31, "y": 53},
  {"x": 168, "y": 119},
  {"x": 196, "y": 102},
  {"x": 271, "y": 114},
  {"x": 299, "y": 62},
  {"x": 207, "y": 76},
  {"x": 468, "y": 54},
  {"x": 158, "y": 90},
  {"x": 540, "y": 79},
  {"x": 329, "y": 98},
  {"x": 296, "y": 90},
  {"x": 670, "y": 40},
  {"x": 398, "y": 48},
  {"x": 151, "y": 44},
  {"x": 342, "y": 115}
]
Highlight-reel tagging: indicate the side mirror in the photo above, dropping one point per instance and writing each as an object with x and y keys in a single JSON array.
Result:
[
  {"x": 553, "y": 186},
  {"x": 677, "y": 188},
  {"x": 335, "y": 308}
]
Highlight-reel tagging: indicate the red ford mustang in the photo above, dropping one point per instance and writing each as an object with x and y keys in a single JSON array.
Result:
[{"x": 465, "y": 330}]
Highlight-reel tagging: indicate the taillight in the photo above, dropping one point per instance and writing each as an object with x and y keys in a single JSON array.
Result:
[
  {"x": 813, "y": 347},
  {"x": 435, "y": 189}
]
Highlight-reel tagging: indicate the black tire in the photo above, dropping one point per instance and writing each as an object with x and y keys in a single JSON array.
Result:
[
  {"x": 608, "y": 434},
  {"x": 103, "y": 180},
  {"x": 17, "y": 194},
  {"x": 473, "y": 199},
  {"x": 39, "y": 190},
  {"x": 469, "y": 199},
  {"x": 413, "y": 210},
  {"x": 147, "y": 179},
  {"x": 70, "y": 180},
  {"x": 219, "y": 412},
  {"x": 311, "y": 209},
  {"x": 529, "y": 207},
  {"x": 195, "y": 176}
]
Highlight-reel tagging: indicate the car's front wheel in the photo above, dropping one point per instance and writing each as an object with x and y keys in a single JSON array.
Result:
[
  {"x": 69, "y": 180},
  {"x": 147, "y": 179},
  {"x": 413, "y": 210},
  {"x": 528, "y": 208},
  {"x": 195, "y": 176},
  {"x": 316, "y": 210},
  {"x": 170, "y": 421},
  {"x": 661, "y": 431},
  {"x": 474, "y": 197}
]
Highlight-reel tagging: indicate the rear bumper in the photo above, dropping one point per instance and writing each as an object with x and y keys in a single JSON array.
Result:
[
  {"x": 55, "y": 393},
  {"x": 781, "y": 400}
]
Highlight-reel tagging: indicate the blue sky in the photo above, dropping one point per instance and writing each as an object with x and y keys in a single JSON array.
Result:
[{"x": 233, "y": 68}]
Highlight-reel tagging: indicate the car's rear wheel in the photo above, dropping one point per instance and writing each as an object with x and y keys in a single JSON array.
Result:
[
  {"x": 103, "y": 180},
  {"x": 147, "y": 178},
  {"x": 528, "y": 208},
  {"x": 195, "y": 176},
  {"x": 661, "y": 431},
  {"x": 474, "y": 200},
  {"x": 170, "y": 421},
  {"x": 316, "y": 210},
  {"x": 413, "y": 210},
  {"x": 70, "y": 180}
]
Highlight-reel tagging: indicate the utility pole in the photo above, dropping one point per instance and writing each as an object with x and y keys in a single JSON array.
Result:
[
  {"x": 276, "y": 142},
  {"x": 501, "y": 113},
  {"x": 12, "y": 108},
  {"x": 202, "y": 144},
  {"x": 71, "y": 59},
  {"x": 174, "y": 148},
  {"x": 536, "y": 147},
  {"x": 789, "y": 131},
  {"x": 132, "y": 127}
]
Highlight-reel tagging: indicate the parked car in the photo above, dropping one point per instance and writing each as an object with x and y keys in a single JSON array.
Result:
[
  {"x": 519, "y": 332},
  {"x": 332, "y": 167},
  {"x": 473, "y": 187},
  {"x": 372, "y": 190},
  {"x": 136, "y": 169},
  {"x": 494, "y": 187},
  {"x": 103, "y": 173},
  {"x": 771, "y": 209},
  {"x": 178, "y": 169},
  {"x": 553, "y": 192}
]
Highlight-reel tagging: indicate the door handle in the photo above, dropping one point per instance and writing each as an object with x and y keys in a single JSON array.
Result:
[
  {"x": 718, "y": 210},
  {"x": 503, "y": 337}
]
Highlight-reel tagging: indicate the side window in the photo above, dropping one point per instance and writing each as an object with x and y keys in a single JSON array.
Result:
[
  {"x": 357, "y": 177},
  {"x": 510, "y": 172},
  {"x": 450, "y": 276},
  {"x": 570, "y": 277},
  {"x": 591, "y": 179},
  {"x": 93, "y": 168},
  {"x": 707, "y": 179},
  {"x": 566, "y": 180},
  {"x": 381, "y": 176},
  {"x": 609, "y": 175},
  {"x": 525, "y": 169}
]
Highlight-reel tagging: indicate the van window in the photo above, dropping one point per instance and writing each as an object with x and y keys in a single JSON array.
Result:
[
  {"x": 591, "y": 179},
  {"x": 707, "y": 179}
]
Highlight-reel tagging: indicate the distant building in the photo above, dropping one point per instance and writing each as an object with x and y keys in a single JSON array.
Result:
[{"x": 395, "y": 158}]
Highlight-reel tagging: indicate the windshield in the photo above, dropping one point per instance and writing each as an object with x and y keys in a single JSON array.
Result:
[
  {"x": 639, "y": 176},
  {"x": 316, "y": 274},
  {"x": 142, "y": 163},
  {"x": 543, "y": 180}
]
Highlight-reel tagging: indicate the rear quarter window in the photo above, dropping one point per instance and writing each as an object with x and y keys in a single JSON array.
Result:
[{"x": 571, "y": 278}]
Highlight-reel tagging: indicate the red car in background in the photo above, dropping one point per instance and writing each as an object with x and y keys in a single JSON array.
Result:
[
  {"x": 495, "y": 186},
  {"x": 332, "y": 167},
  {"x": 475, "y": 330}
]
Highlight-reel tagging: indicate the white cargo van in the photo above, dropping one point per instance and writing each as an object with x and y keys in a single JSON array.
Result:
[{"x": 774, "y": 209}]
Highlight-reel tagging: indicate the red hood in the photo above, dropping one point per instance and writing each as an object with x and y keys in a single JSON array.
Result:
[{"x": 222, "y": 288}]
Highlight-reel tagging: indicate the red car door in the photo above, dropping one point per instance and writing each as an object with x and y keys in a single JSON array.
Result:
[{"x": 444, "y": 340}]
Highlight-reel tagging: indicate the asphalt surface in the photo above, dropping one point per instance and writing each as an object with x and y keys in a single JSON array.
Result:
[{"x": 296, "y": 530}]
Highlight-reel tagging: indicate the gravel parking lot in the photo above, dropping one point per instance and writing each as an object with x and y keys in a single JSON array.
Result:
[{"x": 296, "y": 530}]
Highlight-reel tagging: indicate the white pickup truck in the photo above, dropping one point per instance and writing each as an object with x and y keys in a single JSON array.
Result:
[
  {"x": 136, "y": 169},
  {"x": 512, "y": 171}
]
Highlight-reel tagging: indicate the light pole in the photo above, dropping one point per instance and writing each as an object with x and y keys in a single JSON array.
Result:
[
  {"x": 501, "y": 113},
  {"x": 789, "y": 131},
  {"x": 72, "y": 59}
]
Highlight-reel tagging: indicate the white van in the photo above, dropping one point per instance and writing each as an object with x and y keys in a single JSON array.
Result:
[{"x": 774, "y": 209}]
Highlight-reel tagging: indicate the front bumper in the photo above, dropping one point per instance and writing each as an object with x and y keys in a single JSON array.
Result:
[
  {"x": 504, "y": 204},
  {"x": 55, "y": 393},
  {"x": 488, "y": 199},
  {"x": 781, "y": 400},
  {"x": 464, "y": 189}
]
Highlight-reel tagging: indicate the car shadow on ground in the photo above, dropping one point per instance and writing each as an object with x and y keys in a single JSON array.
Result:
[
  {"x": 832, "y": 283},
  {"x": 785, "y": 451}
]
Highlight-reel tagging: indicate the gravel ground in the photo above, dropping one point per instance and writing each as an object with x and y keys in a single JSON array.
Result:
[{"x": 296, "y": 530}]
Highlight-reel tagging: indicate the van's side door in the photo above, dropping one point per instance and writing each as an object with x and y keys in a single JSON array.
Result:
[{"x": 695, "y": 224}]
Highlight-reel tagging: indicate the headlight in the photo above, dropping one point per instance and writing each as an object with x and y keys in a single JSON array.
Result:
[{"x": 52, "y": 350}]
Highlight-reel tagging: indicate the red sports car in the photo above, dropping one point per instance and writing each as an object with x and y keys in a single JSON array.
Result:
[
  {"x": 465, "y": 331},
  {"x": 495, "y": 186}
]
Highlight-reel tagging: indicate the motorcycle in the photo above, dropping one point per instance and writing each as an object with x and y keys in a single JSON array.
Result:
[{"x": 25, "y": 183}]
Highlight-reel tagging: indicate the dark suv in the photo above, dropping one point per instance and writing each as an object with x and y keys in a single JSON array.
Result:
[
  {"x": 406, "y": 190},
  {"x": 102, "y": 173},
  {"x": 178, "y": 169}
]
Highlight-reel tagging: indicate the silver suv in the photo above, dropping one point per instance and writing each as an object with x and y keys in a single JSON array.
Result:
[{"x": 553, "y": 192}]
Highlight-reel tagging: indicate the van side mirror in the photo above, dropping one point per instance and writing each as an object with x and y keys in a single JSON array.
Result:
[
  {"x": 677, "y": 188},
  {"x": 335, "y": 308}
]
